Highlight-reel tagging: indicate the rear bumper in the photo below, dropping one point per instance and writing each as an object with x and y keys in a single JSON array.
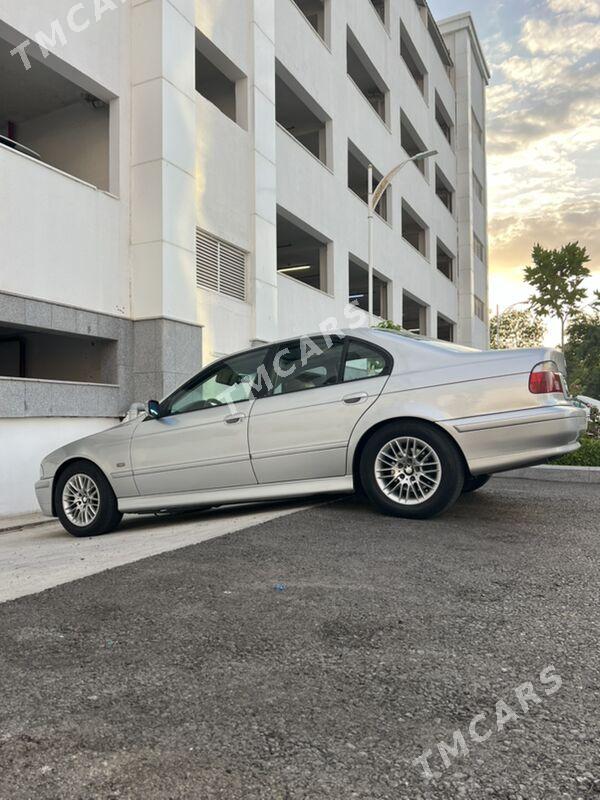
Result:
[
  {"x": 43, "y": 492},
  {"x": 497, "y": 442}
]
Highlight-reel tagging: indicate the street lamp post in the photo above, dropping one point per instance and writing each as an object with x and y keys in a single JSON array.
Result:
[{"x": 374, "y": 198}]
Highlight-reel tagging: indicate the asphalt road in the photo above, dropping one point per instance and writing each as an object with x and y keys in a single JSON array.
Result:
[
  {"x": 189, "y": 675},
  {"x": 40, "y": 557}
]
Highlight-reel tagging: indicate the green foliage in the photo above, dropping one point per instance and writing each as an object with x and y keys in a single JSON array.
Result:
[
  {"x": 388, "y": 325},
  {"x": 594, "y": 424},
  {"x": 588, "y": 455},
  {"x": 582, "y": 353},
  {"x": 514, "y": 329},
  {"x": 556, "y": 277}
]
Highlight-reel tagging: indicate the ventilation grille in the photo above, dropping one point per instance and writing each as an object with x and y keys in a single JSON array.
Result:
[{"x": 220, "y": 266}]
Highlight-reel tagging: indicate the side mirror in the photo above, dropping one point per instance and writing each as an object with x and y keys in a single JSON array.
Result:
[{"x": 154, "y": 409}]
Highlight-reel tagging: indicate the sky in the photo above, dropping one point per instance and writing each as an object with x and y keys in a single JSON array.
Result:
[{"x": 543, "y": 131}]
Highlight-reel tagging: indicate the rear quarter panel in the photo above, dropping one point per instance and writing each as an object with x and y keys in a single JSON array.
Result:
[{"x": 470, "y": 384}]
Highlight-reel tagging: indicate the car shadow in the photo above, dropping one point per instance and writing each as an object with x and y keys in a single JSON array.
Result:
[{"x": 136, "y": 521}]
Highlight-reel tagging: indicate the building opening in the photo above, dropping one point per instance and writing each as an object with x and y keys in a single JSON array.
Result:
[
  {"x": 48, "y": 117},
  {"x": 358, "y": 180},
  {"x": 300, "y": 254},
  {"x": 47, "y": 355},
  {"x": 379, "y": 6},
  {"x": 413, "y": 61},
  {"x": 365, "y": 76},
  {"x": 299, "y": 115},
  {"x": 443, "y": 119},
  {"x": 414, "y": 231},
  {"x": 219, "y": 80},
  {"x": 414, "y": 315},
  {"x": 445, "y": 261},
  {"x": 444, "y": 190},
  {"x": 445, "y": 329},
  {"x": 314, "y": 11},
  {"x": 412, "y": 142},
  {"x": 358, "y": 293}
]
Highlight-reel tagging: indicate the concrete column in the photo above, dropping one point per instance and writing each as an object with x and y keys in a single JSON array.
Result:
[
  {"x": 264, "y": 216},
  {"x": 464, "y": 191},
  {"x": 163, "y": 181}
]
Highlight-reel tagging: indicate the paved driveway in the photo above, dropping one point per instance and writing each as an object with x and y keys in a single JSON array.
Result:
[
  {"x": 43, "y": 556},
  {"x": 188, "y": 675}
]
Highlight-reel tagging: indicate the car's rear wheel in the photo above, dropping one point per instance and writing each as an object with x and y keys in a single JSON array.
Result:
[
  {"x": 411, "y": 469},
  {"x": 84, "y": 500},
  {"x": 475, "y": 482}
]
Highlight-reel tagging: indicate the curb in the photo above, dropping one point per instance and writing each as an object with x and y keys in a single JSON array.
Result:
[
  {"x": 555, "y": 472},
  {"x": 22, "y": 522}
]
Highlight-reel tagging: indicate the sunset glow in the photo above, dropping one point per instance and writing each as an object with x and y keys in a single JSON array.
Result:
[{"x": 543, "y": 131}]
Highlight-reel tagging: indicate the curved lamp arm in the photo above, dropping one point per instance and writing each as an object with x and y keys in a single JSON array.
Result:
[{"x": 386, "y": 181}]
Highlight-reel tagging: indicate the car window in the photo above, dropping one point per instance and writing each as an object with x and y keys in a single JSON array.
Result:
[
  {"x": 231, "y": 381},
  {"x": 307, "y": 363},
  {"x": 363, "y": 361}
]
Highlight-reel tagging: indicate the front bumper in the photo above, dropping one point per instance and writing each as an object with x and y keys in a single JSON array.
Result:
[
  {"x": 498, "y": 442},
  {"x": 43, "y": 491}
]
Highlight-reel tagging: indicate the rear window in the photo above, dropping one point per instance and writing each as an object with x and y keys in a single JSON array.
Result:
[{"x": 363, "y": 362}]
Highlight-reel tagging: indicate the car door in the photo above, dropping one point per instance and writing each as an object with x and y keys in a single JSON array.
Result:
[
  {"x": 301, "y": 428},
  {"x": 200, "y": 440}
]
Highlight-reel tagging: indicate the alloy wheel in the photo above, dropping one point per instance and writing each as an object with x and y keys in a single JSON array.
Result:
[
  {"x": 81, "y": 500},
  {"x": 408, "y": 470}
]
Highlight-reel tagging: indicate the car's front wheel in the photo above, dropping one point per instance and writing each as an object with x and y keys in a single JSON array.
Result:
[
  {"x": 84, "y": 500},
  {"x": 411, "y": 470}
]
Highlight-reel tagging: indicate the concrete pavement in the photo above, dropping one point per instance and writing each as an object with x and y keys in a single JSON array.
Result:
[{"x": 44, "y": 555}]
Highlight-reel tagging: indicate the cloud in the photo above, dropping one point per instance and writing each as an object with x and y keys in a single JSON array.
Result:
[
  {"x": 560, "y": 36},
  {"x": 589, "y": 8},
  {"x": 544, "y": 136},
  {"x": 514, "y": 235},
  {"x": 538, "y": 97}
]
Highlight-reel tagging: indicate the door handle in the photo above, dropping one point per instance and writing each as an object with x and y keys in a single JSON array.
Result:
[
  {"x": 355, "y": 399},
  {"x": 231, "y": 419}
]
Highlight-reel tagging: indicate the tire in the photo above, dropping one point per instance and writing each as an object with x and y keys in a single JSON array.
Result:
[
  {"x": 475, "y": 482},
  {"x": 84, "y": 500},
  {"x": 423, "y": 491}
]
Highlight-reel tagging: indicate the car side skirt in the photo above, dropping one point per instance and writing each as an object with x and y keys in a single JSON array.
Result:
[{"x": 236, "y": 494}]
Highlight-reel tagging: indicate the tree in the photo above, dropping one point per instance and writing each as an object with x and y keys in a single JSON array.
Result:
[
  {"x": 582, "y": 354},
  {"x": 515, "y": 328},
  {"x": 557, "y": 277}
]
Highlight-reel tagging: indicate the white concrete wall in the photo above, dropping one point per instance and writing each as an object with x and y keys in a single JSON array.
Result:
[
  {"x": 95, "y": 52},
  {"x": 227, "y": 324},
  {"x": 224, "y": 192},
  {"x": 312, "y": 193},
  {"x": 472, "y": 215},
  {"x": 163, "y": 169},
  {"x": 60, "y": 238},
  {"x": 89, "y": 268},
  {"x": 27, "y": 441}
]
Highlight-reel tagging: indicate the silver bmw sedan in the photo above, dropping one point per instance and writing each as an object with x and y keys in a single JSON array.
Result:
[{"x": 411, "y": 422}]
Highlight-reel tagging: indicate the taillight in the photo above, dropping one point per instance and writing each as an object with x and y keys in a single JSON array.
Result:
[{"x": 545, "y": 378}]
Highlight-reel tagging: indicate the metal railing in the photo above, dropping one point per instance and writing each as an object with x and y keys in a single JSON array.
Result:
[{"x": 21, "y": 148}]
